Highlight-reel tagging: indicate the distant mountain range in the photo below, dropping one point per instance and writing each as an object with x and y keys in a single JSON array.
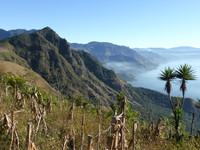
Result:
[
  {"x": 169, "y": 54},
  {"x": 155, "y": 56},
  {"x": 11, "y": 33},
  {"x": 123, "y": 60},
  {"x": 181, "y": 49},
  {"x": 75, "y": 72}
]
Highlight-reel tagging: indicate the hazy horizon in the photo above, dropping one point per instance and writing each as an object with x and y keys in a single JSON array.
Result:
[{"x": 150, "y": 79}]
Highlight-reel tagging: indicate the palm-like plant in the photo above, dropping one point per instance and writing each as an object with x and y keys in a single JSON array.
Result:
[
  {"x": 184, "y": 72},
  {"x": 167, "y": 75}
]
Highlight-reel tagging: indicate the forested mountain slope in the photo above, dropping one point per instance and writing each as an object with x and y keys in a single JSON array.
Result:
[{"x": 75, "y": 72}]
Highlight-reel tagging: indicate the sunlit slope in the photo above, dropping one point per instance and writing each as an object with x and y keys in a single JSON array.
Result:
[{"x": 34, "y": 78}]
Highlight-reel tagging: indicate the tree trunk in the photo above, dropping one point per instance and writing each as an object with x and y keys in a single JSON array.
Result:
[
  {"x": 14, "y": 144},
  {"x": 132, "y": 142},
  {"x": 82, "y": 132},
  {"x": 28, "y": 138},
  {"x": 99, "y": 137},
  {"x": 66, "y": 140},
  {"x": 192, "y": 124},
  {"x": 72, "y": 112},
  {"x": 183, "y": 87},
  {"x": 90, "y": 138},
  {"x": 74, "y": 139},
  {"x": 12, "y": 131},
  {"x": 171, "y": 103}
]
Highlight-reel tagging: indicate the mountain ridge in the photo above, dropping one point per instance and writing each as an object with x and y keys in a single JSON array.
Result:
[
  {"x": 113, "y": 57},
  {"x": 14, "y": 32}
]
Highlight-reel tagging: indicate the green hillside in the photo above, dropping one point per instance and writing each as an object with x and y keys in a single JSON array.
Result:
[{"x": 32, "y": 119}]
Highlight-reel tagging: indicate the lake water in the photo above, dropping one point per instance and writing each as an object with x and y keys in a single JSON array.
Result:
[{"x": 150, "y": 79}]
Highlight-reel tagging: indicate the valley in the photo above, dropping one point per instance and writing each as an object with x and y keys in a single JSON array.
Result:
[
  {"x": 69, "y": 76},
  {"x": 100, "y": 75}
]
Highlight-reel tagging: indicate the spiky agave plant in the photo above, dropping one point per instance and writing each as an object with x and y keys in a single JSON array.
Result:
[
  {"x": 168, "y": 75},
  {"x": 185, "y": 73}
]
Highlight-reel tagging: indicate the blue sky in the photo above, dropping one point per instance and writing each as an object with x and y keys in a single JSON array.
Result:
[{"x": 133, "y": 23}]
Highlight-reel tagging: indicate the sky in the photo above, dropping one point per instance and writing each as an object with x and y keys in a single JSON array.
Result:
[{"x": 132, "y": 23}]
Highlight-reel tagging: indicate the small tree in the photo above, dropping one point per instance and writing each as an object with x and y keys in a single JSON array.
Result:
[
  {"x": 168, "y": 75},
  {"x": 184, "y": 72}
]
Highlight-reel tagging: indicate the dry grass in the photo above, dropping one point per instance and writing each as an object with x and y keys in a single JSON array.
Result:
[
  {"x": 6, "y": 66},
  {"x": 59, "y": 125}
]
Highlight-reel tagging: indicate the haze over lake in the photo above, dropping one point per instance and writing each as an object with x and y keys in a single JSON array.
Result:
[{"x": 150, "y": 79}]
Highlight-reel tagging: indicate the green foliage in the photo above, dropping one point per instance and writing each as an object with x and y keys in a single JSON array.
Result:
[
  {"x": 131, "y": 115},
  {"x": 12, "y": 57},
  {"x": 4, "y": 138},
  {"x": 120, "y": 96},
  {"x": 15, "y": 81},
  {"x": 184, "y": 72},
  {"x": 7, "y": 99},
  {"x": 167, "y": 75},
  {"x": 113, "y": 106},
  {"x": 80, "y": 101}
]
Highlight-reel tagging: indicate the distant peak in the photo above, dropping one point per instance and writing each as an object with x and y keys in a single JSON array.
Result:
[
  {"x": 47, "y": 31},
  {"x": 47, "y": 28},
  {"x": 96, "y": 42},
  {"x": 50, "y": 35}
]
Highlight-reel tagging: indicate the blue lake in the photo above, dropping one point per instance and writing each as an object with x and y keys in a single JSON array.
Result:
[{"x": 150, "y": 79}]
